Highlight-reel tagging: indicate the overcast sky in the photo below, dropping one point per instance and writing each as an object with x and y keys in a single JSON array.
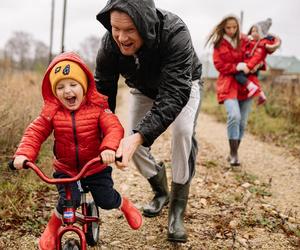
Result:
[{"x": 33, "y": 17}]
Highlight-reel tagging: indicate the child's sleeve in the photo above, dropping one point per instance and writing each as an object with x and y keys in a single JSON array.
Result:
[
  {"x": 35, "y": 134},
  {"x": 258, "y": 57},
  {"x": 273, "y": 44},
  {"x": 112, "y": 130}
]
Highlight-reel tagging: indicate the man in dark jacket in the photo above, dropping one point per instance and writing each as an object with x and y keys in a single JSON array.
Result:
[{"x": 153, "y": 51}]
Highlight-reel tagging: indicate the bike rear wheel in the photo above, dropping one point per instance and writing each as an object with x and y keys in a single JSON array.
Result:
[{"x": 92, "y": 235}]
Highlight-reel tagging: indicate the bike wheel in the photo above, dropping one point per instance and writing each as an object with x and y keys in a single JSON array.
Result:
[
  {"x": 71, "y": 244},
  {"x": 92, "y": 235}
]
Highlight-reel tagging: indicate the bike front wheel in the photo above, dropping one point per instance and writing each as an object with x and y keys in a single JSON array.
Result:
[{"x": 72, "y": 244}]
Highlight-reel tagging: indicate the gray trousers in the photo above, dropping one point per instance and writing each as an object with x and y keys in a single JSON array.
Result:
[{"x": 184, "y": 145}]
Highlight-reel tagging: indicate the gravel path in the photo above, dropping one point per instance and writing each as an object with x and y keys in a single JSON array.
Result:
[
  {"x": 223, "y": 211},
  {"x": 268, "y": 162}
]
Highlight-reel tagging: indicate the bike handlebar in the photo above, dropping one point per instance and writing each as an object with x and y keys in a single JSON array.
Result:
[{"x": 39, "y": 172}]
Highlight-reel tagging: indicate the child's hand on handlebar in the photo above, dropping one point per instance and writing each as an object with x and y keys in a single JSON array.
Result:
[
  {"x": 19, "y": 161},
  {"x": 108, "y": 156}
]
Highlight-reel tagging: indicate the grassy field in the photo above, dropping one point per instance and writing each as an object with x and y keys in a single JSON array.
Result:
[{"x": 20, "y": 103}]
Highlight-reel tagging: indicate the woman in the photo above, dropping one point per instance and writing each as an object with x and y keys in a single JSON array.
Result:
[{"x": 229, "y": 46}]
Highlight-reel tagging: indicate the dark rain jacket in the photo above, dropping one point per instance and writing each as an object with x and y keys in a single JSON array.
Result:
[{"x": 163, "y": 69}]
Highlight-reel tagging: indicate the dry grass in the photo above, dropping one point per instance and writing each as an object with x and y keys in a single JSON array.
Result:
[{"x": 20, "y": 103}]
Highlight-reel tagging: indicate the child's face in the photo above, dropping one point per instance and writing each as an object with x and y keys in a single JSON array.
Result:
[
  {"x": 230, "y": 28},
  {"x": 70, "y": 93},
  {"x": 254, "y": 33}
]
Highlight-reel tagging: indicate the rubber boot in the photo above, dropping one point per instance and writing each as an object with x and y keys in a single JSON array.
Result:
[
  {"x": 48, "y": 238},
  {"x": 131, "y": 213},
  {"x": 229, "y": 157},
  {"x": 261, "y": 98},
  {"x": 159, "y": 186},
  {"x": 179, "y": 198},
  {"x": 234, "y": 145},
  {"x": 252, "y": 88}
]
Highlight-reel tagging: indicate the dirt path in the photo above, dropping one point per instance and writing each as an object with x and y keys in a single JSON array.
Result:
[
  {"x": 264, "y": 160},
  {"x": 226, "y": 209}
]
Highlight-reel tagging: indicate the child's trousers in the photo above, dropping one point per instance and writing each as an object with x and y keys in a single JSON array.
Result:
[{"x": 100, "y": 186}]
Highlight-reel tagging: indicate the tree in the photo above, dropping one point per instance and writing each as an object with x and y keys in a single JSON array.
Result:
[
  {"x": 88, "y": 50},
  {"x": 41, "y": 51},
  {"x": 18, "y": 49}
]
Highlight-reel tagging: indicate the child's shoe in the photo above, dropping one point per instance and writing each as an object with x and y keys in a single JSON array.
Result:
[
  {"x": 262, "y": 98},
  {"x": 131, "y": 213},
  {"x": 48, "y": 238},
  {"x": 252, "y": 88}
]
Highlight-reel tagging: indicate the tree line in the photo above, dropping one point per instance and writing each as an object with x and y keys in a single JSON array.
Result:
[{"x": 23, "y": 52}]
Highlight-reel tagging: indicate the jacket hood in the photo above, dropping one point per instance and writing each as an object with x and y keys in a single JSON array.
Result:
[
  {"x": 142, "y": 12},
  {"x": 91, "y": 96}
]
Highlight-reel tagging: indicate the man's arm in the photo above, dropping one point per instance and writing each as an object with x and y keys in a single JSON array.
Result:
[
  {"x": 175, "y": 85},
  {"x": 106, "y": 72}
]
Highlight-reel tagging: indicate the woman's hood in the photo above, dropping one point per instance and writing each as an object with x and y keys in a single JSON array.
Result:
[{"x": 142, "y": 12}]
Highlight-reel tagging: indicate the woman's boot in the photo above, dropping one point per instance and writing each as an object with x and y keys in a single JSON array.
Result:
[
  {"x": 178, "y": 201},
  {"x": 159, "y": 186},
  {"x": 131, "y": 213},
  {"x": 234, "y": 145},
  {"x": 48, "y": 238}
]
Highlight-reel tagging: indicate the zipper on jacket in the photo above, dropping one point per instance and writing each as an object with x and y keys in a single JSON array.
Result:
[
  {"x": 136, "y": 61},
  {"x": 75, "y": 140}
]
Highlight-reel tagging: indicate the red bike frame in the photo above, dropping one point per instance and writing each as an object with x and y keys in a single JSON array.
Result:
[{"x": 69, "y": 215}]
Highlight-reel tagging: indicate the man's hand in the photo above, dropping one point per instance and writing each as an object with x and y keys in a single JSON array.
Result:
[
  {"x": 127, "y": 147},
  {"x": 19, "y": 161},
  {"x": 108, "y": 156}
]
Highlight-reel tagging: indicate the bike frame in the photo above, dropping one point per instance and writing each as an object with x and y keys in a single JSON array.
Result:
[{"x": 70, "y": 216}]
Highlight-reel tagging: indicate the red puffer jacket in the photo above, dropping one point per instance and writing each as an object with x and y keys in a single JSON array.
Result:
[
  {"x": 225, "y": 59},
  {"x": 256, "y": 52},
  {"x": 80, "y": 135}
]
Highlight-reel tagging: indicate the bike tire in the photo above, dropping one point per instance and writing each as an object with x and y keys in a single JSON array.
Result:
[
  {"x": 71, "y": 244},
  {"x": 93, "y": 230}
]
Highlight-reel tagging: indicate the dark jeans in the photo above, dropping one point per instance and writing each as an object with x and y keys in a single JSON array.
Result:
[
  {"x": 241, "y": 77},
  {"x": 100, "y": 186}
]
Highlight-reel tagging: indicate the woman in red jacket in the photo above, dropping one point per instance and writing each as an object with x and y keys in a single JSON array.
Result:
[
  {"x": 229, "y": 48},
  {"x": 84, "y": 128}
]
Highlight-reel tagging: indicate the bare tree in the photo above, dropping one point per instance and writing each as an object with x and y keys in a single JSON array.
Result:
[
  {"x": 18, "y": 48},
  {"x": 40, "y": 60},
  {"x": 88, "y": 50}
]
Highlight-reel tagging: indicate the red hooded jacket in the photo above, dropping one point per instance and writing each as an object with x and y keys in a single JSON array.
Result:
[
  {"x": 79, "y": 135},
  {"x": 225, "y": 59},
  {"x": 256, "y": 52}
]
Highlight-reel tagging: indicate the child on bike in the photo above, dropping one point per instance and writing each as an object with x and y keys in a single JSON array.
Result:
[
  {"x": 260, "y": 44},
  {"x": 84, "y": 128}
]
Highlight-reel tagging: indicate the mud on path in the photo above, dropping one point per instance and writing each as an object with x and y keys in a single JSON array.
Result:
[{"x": 257, "y": 207}]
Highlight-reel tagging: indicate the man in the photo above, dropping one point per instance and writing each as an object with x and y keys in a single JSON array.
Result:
[{"x": 153, "y": 51}]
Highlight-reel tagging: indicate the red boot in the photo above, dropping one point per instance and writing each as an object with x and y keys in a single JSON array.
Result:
[
  {"x": 252, "y": 88},
  {"x": 132, "y": 214},
  {"x": 261, "y": 98},
  {"x": 48, "y": 238}
]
